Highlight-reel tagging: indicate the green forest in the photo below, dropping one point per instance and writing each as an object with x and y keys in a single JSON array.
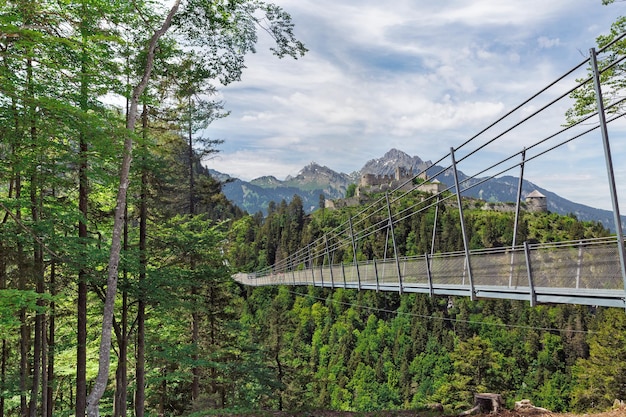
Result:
[{"x": 87, "y": 238}]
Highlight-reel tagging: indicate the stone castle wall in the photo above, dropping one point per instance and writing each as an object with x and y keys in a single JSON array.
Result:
[{"x": 382, "y": 183}]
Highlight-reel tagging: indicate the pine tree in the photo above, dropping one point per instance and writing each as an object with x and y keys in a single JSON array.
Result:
[{"x": 601, "y": 378}]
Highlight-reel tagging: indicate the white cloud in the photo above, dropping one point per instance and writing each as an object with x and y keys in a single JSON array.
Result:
[
  {"x": 421, "y": 76},
  {"x": 547, "y": 43},
  {"x": 258, "y": 117}
]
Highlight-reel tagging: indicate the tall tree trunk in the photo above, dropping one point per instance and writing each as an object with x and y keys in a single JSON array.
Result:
[
  {"x": 22, "y": 270},
  {"x": 213, "y": 336},
  {"x": 3, "y": 375},
  {"x": 140, "y": 376},
  {"x": 81, "y": 333},
  {"x": 190, "y": 157},
  {"x": 3, "y": 358},
  {"x": 83, "y": 208},
  {"x": 21, "y": 281},
  {"x": 212, "y": 343},
  {"x": 44, "y": 367},
  {"x": 38, "y": 342},
  {"x": 281, "y": 375},
  {"x": 3, "y": 285},
  {"x": 195, "y": 317},
  {"x": 100, "y": 383},
  {"x": 121, "y": 373},
  {"x": 51, "y": 343},
  {"x": 195, "y": 339},
  {"x": 121, "y": 379},
  {"x": 16, "y": 186},
  {"x": 38, "y": 266},
  {"x": 24, "y": 329}
]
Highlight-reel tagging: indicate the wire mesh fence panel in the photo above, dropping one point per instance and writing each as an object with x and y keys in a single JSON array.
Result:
[
  {"x": 368, "y": 273},
  {"x": 599, "y": 268},
  {"x": 351, "y": 274},
  {"x": 583, "y": 265},
  {"x": 337, "y": 275},
  {"x": 553, "y": 267},
  {"x": 302, "y": 277},
  {"x": 491, "y": 268},
  {"x": 449, "y": 270},
  {"x": 414, "y": 271},
  {"x": 387, "y": 272}
]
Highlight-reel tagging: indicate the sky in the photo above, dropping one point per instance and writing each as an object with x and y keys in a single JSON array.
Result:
[{"x": 420, "y": 76}]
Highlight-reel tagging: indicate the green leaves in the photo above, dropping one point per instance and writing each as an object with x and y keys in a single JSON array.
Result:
[
  {"x": 281, "y": 29},
  {"x": 612, "y": 77},
  {"x": 223, "y": 32},
  {"x": 11, "y": 302}
]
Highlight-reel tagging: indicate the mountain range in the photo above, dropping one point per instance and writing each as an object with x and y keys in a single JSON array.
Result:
[{"x": 314, "y": 180}]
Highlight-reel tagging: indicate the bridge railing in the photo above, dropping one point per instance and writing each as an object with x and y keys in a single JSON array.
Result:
[{"x": 580, "y": 272}]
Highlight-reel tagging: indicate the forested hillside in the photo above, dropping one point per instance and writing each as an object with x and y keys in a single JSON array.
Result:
[{"x": 364, "y": 351}]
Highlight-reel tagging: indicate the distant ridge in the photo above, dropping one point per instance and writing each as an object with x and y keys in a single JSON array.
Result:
[{"x": 315, "y": 180}]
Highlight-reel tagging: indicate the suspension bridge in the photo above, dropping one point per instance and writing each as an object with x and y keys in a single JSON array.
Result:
[{"x": 584, "y": 271}]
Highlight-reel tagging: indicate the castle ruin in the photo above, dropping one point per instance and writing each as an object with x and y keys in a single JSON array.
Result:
[{"x": 402, "y": 179}]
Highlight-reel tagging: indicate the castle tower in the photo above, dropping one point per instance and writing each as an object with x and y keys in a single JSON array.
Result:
[{"x": 537, "y": 202}]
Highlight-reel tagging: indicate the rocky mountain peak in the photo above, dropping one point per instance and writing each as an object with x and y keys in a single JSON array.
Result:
[
  {"x": 396, "y": 154},
  {"x": 314, "y": 168},
  {"x": 391, "y": 160},
  {"x": 316, "y": 176}
]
